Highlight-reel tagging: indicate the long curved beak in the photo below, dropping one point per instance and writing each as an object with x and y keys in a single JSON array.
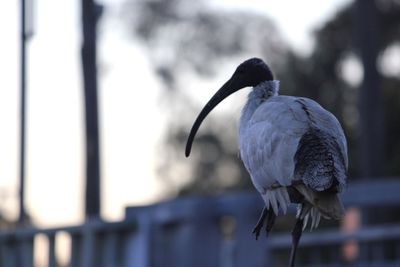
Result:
[{"x": 226, "y": 90}]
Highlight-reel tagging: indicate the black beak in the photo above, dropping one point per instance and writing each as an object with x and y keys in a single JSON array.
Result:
[{"x": 226, "y": 90}]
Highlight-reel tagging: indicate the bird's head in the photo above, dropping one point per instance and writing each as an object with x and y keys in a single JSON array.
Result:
[{"x": 251, "y": 72}]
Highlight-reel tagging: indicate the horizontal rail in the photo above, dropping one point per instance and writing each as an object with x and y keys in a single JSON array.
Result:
[
  {"x": 373, "y": 192},
  {"x": 95, "y": 226},
  {"x": 331, "y": 237}
]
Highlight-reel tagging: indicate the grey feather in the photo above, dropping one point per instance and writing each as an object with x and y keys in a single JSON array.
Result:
[{"x": 319, "y": 162}]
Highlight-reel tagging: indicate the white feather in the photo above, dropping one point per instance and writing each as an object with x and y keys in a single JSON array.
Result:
[
  {"x": 277, "y": 198},
  {"x": 269, "y": 133}
]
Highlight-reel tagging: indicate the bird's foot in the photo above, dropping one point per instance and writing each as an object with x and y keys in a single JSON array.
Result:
[
  {"x": 267, "y": 215},
  {"x": 257, "y": 229}
]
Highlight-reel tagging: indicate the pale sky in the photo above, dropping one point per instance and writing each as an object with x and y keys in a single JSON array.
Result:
[{"x": 128, "y": 97}]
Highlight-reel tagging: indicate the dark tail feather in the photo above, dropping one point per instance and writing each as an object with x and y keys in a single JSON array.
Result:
[{"x": 328, "y": 203}]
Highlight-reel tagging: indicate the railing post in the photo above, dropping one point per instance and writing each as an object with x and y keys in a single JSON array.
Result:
[
  {"x": 25, "y": 251},
  {"x": 138, "y": 245},
  {"x": 52, "y": 249},
  {"x": 76, "y": 250},
  {"x": 8, "y": 252},
  {"x": 110, "y": 249},
  {"x": 189, "y": 224},
  {"x": 252, "y": 252},
  {"x": 88, "y": 243}
]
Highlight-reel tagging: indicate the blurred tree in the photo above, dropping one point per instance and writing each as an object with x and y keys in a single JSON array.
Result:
[
  {"x": 358, "y": 37},
  {"x": 186, "y": 38},
  {"x": 324, "y": 76},
  {"x": 192, "y": 36}
]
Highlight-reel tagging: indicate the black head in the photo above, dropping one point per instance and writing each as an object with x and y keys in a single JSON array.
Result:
[{"x": 252, "y": 72}]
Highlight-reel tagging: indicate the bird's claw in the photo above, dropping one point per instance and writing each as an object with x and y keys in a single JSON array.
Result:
[
  {"x": 257, "y": 229},
  {"x": 268, "y": 216}
]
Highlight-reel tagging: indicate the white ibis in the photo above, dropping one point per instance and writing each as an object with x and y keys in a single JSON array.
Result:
[{"x": 294, "y": 150}]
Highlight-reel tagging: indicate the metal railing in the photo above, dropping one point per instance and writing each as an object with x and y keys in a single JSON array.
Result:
[
  {"x": 216, "y": 231},
  {"x": 94, "y": 243},
  {"x": 213, "y": 231}
]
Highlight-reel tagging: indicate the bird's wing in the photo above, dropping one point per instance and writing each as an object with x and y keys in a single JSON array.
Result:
[
  {"x": 321, "y": 157},
  {"x": 326, "y": 122},
  {"x": 277, "y": 129},
  {"x": 269, "y": 143}
]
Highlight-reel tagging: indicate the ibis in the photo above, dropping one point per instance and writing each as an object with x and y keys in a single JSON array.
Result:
[{"x": 294, "y": 150}]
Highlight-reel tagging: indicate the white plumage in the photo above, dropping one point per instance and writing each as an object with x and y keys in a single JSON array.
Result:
[
  {"x": 294, "y": 150},
  {"x": 271, "y": 127}
]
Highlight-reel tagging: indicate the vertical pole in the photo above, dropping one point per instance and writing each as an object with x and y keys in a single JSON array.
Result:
[
  {"x": 22, "y": 212},
  {"x": 370, "y": 104},
  {"x": 90, "y": 15}
]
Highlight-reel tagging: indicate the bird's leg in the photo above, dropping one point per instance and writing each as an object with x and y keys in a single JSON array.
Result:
[
  {"x": 270, "y": 221},
  {"x": 260, "y": 222},
  {"x": 296, "y": 234}
]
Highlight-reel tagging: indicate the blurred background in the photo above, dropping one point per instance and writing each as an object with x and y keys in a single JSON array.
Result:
[{"x": 112, "y": 88}]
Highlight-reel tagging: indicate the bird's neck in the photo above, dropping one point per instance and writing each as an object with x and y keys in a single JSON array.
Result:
[
  {"x": 256, "y": 97},
  {"x": 264, "y": 90}
]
